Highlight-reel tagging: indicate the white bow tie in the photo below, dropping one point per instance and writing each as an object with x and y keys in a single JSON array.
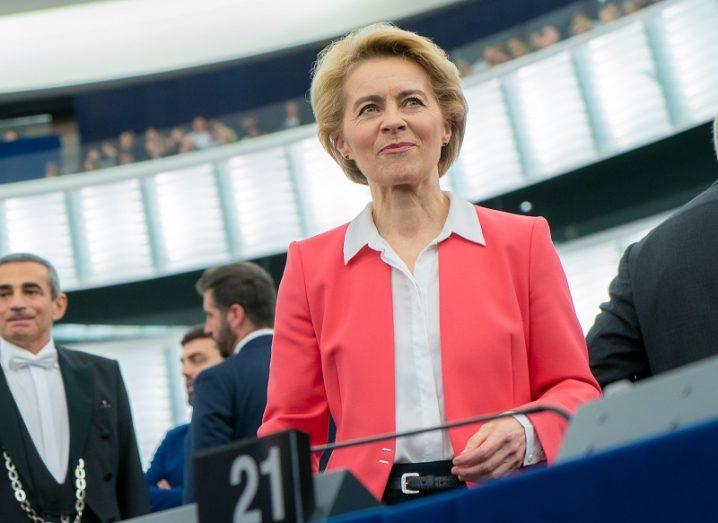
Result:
[{"x": 21, "y": 361}]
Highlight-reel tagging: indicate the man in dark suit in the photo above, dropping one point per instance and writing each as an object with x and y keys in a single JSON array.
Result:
[
  {"x": 68, "y": 445},
  {"x": 229, "y": 398},
  {"x": 663, "y": 302}
]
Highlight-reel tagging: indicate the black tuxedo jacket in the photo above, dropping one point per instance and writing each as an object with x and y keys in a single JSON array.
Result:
[
  {"x": 664, "y": 301},
  {"x": 228, "y": 403},
  {"x": 101, "y": 432}
]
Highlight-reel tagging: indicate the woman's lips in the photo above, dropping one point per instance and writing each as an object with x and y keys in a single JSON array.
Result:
[
  {"x": 19, "y": 321},
  {"x": 396, "y": 148}
]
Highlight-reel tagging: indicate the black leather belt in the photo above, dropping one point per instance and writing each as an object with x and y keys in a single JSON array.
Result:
[{"x": 414, "y": 483}]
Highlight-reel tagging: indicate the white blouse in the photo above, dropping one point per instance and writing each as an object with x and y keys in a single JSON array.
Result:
[{"x": 417, "y": 338}]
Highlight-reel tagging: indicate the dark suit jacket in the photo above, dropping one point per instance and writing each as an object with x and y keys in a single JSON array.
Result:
[
  {"x": 663, "y": 303},
  {"x": 228, "y": 402},
  {"x": 168, "y": 464},
  {"x": 101, "y": 432}
]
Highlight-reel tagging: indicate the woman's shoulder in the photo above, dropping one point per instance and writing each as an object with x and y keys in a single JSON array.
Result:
[
  {"x": 322, "y": 246},
  {"x": 326, "y": 238},
  {"x": 506, "y": 221}
]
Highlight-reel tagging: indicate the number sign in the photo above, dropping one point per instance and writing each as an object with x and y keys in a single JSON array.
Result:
[{"x": 266, "y": 480}]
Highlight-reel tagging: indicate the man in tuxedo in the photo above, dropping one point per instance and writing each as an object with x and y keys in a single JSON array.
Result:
[
  {"x": 229, "y": 398},
  {"x": 68, "y": 445},
  {"x": 165, "y": 477},
  {"x": 663, "y": 302}
]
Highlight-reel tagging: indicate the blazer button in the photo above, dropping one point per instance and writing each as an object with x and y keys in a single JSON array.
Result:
[
  {"x": 108, "y": 476},
  {"x": 105, "y": 434}
]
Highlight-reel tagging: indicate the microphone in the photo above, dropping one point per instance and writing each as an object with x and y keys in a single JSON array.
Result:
[{"x": 468, "y": 421}]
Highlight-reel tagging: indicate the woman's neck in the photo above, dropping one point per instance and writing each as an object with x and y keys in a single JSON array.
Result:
[{"x": 409, "y": 212}]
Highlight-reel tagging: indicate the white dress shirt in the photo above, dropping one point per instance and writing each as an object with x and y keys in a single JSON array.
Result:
[
  {"x": 417, "y": 338},
  {"x": 249, "y": 337},
  {"x": 39, "y": 394}
]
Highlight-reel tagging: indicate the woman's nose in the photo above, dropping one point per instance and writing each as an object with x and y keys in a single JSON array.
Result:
[{"x": 393, "y": 120}]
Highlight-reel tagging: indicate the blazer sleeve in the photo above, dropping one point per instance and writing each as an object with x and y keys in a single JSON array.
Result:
[
  {"x": 296, "y": 398},
  {"x": 156, "y": 472},
  {"x": 558, "y": 360},
  {"x": 132, "y": 497},
  {"x": 162, "y": 499},
  {"x": 615, "y": 343}
]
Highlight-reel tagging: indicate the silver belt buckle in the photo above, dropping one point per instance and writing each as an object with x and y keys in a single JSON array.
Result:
[{"x": 404, "y": 477}]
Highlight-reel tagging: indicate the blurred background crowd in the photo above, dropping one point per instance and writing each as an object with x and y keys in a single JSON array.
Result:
[{"x": 71, "y": 154}]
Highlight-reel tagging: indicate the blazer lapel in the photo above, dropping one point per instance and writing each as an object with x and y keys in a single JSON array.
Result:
[
  {"x": 11, "y": 432},
  {"x": 77, "y": 378}
]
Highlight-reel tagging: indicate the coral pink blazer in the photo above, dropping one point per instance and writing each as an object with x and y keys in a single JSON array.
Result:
[{"x": 509, "y": 339}]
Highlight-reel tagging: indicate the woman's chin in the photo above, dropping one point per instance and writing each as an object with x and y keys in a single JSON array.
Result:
[{"x": 405, "y": 176}]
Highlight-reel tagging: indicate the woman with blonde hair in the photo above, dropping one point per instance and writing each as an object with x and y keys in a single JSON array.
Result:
[{"x": 424, "y": 309}]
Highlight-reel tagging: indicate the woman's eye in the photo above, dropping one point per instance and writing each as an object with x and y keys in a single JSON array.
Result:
[
  {"x": 369, "y": 108},
  {"x": 413, "y": 102}
]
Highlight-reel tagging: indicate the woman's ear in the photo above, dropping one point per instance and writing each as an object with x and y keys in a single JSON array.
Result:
[
  {"x": 446, "y": 137},
  {"x": 341, "y": 145}
]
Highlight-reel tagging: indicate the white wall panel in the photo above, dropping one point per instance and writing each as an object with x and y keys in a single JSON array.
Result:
[
  {"x": 40, "y": 225},
  {"x": 112, "y": 222}
]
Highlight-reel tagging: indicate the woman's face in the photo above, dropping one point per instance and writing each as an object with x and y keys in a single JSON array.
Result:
[{"x": 393, "y": 127}]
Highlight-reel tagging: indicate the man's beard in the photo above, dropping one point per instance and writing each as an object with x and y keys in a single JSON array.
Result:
[{"x": 226, "y": 340}]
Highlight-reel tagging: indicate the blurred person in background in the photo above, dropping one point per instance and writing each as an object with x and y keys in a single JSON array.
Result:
[
  {"x": 551, "y": 35},
  {"x": 291, "y": 115},
  {"x": 126, "y": 158},
  {"x": 661, "y": 312},
  {"x": 200, "y": 135},
  {"x": 517, "y": 47},
  {"x": 165, "y": 477},
  {"x": 222, "y": 133},
  {"x": 154, "y": 144},
  {"x": 580, "y": 23},
  {"x": 66, "y": 427},
  {"x": 609, "y": 12},
  {"x": 424, "y": 309},
  {"x": 92, "y": 160},
  {"x": 187, "y": 145},
  {"x": 110, "y": 156},
  {"x": 545, "y": 37},
  {"x": 130, "y": 150},
  {"x": 495, "y": 55},
  {"x": 250, "y": 127},
  {"x": 229, "y": 399},
  {"x": 174, "y": 141}
]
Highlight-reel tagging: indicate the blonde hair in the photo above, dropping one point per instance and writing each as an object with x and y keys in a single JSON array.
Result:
[{"x": 383, "y": 40}]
